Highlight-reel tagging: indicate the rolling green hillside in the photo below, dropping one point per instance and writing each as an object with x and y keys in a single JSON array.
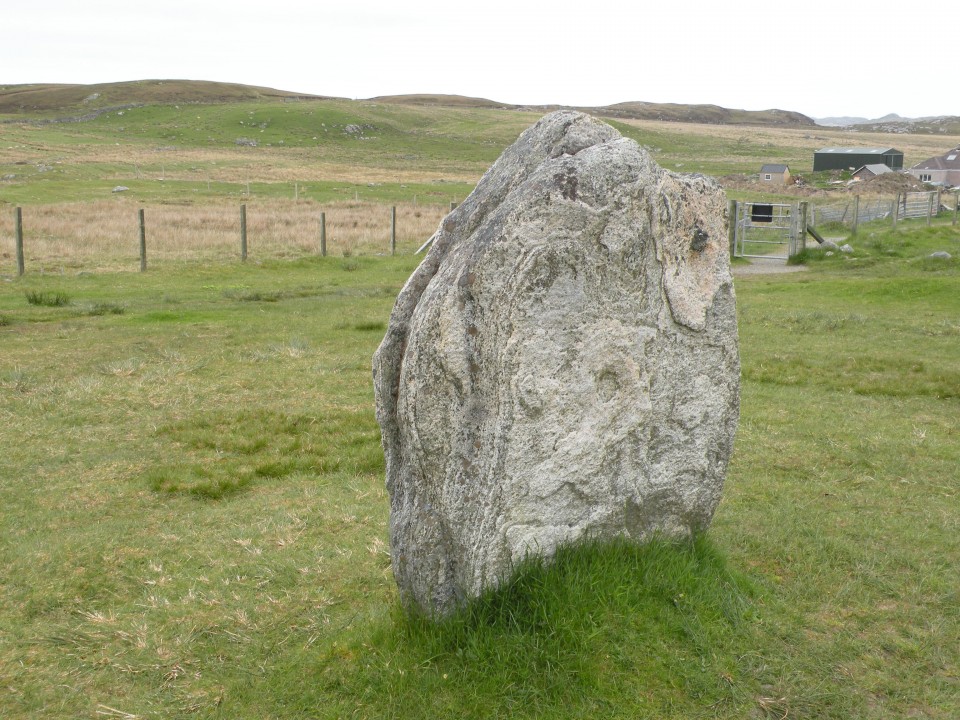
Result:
[
  {"x": 183, "y": 140},
  {"x": 663, "y": 112},
  {"x": 368, "y": 149},
  {"x": 47, "y": 99},
  {"x": 85, "y": 100}
]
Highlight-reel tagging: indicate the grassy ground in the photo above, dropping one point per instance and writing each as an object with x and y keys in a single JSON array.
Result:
[{"x": 194, "y": 519}]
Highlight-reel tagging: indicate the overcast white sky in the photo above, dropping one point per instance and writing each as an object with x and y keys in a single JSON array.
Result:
[{"x": 821, "y": 58}]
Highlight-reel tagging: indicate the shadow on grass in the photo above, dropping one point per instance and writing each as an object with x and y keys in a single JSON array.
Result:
[
  {"x": 221, "y": 453},
  {"x": 628, "y": 630}
]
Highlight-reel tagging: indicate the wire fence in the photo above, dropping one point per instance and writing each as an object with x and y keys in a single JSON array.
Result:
[
  {"x": 843, "y": 212},
  {"x": 904, "y": 206},
  {"x": 121, "y": 235}
]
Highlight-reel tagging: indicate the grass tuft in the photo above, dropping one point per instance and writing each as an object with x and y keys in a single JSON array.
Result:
[
  {"x": 47, "y": 298},
  {"x": 376, "y": 326},
  {"x": 17, "y": 380},
  {"x": 105, "y": 308},
  {"x": 252, "y": 296},
  {"x": 195, "y": 481}
]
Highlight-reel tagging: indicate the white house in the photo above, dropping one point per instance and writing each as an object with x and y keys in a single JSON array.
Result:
[{"x": 943, "y": 169}]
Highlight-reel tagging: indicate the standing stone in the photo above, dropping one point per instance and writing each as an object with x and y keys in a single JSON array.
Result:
[{"x": 563, "y": 364}]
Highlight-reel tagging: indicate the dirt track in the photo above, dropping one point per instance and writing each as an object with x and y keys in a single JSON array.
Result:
[{"x": 760, "y": 266}]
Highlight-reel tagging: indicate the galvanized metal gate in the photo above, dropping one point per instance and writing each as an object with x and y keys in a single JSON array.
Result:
[{"x": 767, "y": 230}]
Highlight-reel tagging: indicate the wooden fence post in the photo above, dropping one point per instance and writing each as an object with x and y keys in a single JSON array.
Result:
[
  {"x": 143, "y": 242},
  {"x": 856, "y": 213},
  {"x": 956, "y": 205},
  {"x": 393, "y": 230},
  {"x": 896, "y": 209},
  {"x": 453, "y": 206},
  {"x": 732, "y": 225},
  {"x": 803, "y": 225},
  {"x": 243, "y": 233},
  {"x": 323, "y": 234},
  {"x": 929, "y": 207},
  {"x": 18, "y": 222}
]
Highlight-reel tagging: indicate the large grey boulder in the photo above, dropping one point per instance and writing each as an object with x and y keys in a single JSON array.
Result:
[{"x": 563, "y": 364}]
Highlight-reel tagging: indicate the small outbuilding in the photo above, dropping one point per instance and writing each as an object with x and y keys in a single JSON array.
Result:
[
  {"x": 943, "y": 169},
  {"x": 775, "y": 174},
  {"x": 870, "y": 171},
  {"x": 847, "y": 158}
]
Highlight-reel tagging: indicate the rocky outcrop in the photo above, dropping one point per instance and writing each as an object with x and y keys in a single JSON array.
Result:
[{"x": 562, "y": 365}]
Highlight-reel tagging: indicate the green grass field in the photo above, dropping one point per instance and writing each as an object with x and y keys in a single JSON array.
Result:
[{"x": 194, "y": 517}]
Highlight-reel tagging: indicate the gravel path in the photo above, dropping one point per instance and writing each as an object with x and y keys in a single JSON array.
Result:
[{"x": 759, "y": 266}]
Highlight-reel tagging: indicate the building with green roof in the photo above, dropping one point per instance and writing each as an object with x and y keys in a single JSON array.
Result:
[{"x": 849, "y": 158}]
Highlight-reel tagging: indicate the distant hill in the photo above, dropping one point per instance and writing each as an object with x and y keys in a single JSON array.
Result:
[
  {"x": 917, "y": 126},
  {"x": 81, "y": 101},
  {"x": 896, "y": 124},
  {"x": 845, "y": 121},
  {"x": 667, "y": 112},
  {"x": 46, "y": 99},
  {"x": 442, "y": 101}
]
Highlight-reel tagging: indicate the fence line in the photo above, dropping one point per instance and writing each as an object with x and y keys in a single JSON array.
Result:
[
  {"x": 104, "y": 234},
  {"x": 114, "y": 234},
  {"x": 909, "y": 205}
]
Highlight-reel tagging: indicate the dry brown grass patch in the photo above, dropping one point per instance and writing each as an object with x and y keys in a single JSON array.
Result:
[{"x": 105, "y": 234}]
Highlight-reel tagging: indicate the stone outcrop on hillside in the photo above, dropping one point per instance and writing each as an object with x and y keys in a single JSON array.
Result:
[{"x": 563, "y": 364}]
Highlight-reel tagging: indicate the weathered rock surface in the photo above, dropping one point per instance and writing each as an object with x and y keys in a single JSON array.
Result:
[{"x": 562, "y": 365}]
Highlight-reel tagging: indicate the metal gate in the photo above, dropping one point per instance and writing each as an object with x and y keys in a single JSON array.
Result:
[
  {"x": 918, "y": 204},
  {"x": 767, "y": 230}
]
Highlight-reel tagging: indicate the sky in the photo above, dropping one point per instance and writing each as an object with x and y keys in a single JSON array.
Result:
[{"x": 837, "y": 58}]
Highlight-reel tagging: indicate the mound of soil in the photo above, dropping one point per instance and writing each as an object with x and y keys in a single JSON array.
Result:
[{"x": 887, "y": 184}]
